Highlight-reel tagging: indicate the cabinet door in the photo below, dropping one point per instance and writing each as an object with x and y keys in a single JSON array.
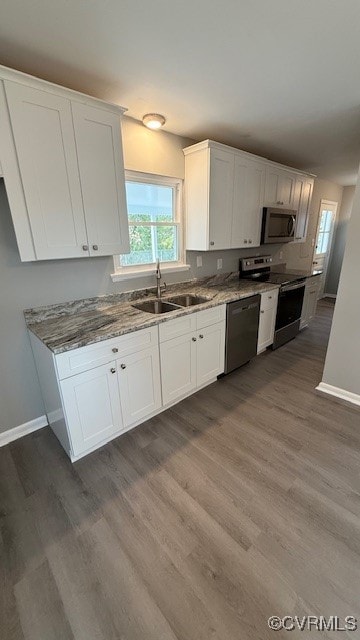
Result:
[
  {"x": 99, "y": 147},
  {"x": 140, "y": 387},
  {"x": 44, "y": 138},
  {"x": 220, "y": 198},
  {"x": 92, "y": 407},
  {"x": 304, "y": 188},
  {"x": 210, "y": 353},
  {"x": 312, "y": 301},
  {"x": 279, "y": 188},
  {"x": 266, "y": 328},
  {"x": 304, "y": 320},
  {"x": 178, "y": 367},
  {"x": 249, "y": 182}
]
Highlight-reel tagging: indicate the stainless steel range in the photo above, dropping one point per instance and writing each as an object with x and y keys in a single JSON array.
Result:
[{"x": 291, "y": 295}]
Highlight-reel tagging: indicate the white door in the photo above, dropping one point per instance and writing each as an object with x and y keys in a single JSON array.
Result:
[
  {"x": 178, "y": 367},
  {"x": 210, "y": 353},
  {"x": 92, "y": 406},
  {"x": 303, "y": 193},
  {"x": 279, "y": 188},
  {"x": 249, "y": 182},
  {"x": 220, "y": 198},
  {"x": 44, "y": 137},
  {"x": 101, "y": 167},
  {"x": 140, "y": 386},
  {"x": 324, "y": 235}
]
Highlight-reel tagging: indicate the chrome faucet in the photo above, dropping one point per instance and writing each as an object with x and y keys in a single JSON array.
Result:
[{"x": 158, "y": 280}]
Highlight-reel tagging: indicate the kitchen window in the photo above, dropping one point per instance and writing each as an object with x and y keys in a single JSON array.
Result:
[{"x": 155, "y": 226}]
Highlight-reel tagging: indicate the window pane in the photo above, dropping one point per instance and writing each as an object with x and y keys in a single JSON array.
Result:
[
  {"x": 149, "y": 243},
  {"x": 140, "y": 246},
  {"x": 149, "y": 202},
  {"x": 322, "y": 220},
  {"x": 328, "y": 221},
  {"x": 166, "y": 241},
  {"x": 319, "y": 244},
  {"x": 325, "y": 242}
]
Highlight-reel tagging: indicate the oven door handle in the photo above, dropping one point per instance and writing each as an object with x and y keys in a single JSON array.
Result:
[{"x": 292, "y": 287}]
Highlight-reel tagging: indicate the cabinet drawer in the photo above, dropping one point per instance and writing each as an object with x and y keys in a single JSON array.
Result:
[
  {"x": 84, "y": 358},
  {"x": 177, "y": 327},
  {"x": 210, "y": 316},
  {"x": 269, "y": 299}
]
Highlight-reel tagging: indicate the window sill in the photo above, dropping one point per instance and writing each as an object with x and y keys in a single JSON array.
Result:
[{"x": 141, "y": 273}]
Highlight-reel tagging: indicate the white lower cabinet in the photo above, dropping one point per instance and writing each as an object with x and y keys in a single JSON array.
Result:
[
  {"x": 178, "y": 367},
  {"x": 210, "y": 353},
  {"x": 139, "y": 384},
  {"x": 268, "y": 309},
  {"x": 192, "y": 359},
  {"x": 94, "y": 393},
  {"x": 92, "y": 407},
  {"x": 310, "y": 300}
]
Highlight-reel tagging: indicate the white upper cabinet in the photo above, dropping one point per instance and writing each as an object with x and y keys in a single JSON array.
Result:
[
  {"x": 209, "y": 180},
  {"x": 279, "y": 187},
  {"x": 45, "y": 144},
  {"x": 303, "y": 194},
  {"x": 225, "y": 192},
  {"x": 61, "y": 155},
  {"x": 221, "y": 181},
  {"x": 102, "y": 179},
  {"x": 249, "y": 183}
]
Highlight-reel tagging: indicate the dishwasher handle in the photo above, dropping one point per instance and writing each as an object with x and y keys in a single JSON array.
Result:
[{"x": 234, "y": 312}]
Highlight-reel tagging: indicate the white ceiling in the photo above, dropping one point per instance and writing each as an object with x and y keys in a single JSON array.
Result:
[{"x": 276, "y": 77}]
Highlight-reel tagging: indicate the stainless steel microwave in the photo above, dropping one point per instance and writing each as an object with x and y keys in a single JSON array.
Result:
[{"x": 278, "y": 225}]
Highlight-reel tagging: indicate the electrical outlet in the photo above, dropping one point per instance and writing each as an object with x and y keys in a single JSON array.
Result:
[
  {"x": 199, "y": 261},
  {"x": 219, "y": 263}
]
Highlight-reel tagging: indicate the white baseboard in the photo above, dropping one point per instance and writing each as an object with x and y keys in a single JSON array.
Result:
[
  {"x": 329, "y": 295},
  {"x": 349, "y": 396},
  {"x": 22, "y": 430}
]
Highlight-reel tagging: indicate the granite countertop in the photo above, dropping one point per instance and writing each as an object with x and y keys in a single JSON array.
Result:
[
  {"x": 75, "y": 324},
  {"x": 304, "y": 273}
]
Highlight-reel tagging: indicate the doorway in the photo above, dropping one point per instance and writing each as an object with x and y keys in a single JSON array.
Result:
[{"x": 324, "y": 237}]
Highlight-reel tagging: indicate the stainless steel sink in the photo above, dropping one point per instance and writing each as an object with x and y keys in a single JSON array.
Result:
[
  {"x": 156, "y": 306},
  {"x": 188, "y": 300}
]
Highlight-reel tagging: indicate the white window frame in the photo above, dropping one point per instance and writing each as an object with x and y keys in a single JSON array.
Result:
[{"x": 135, "y": 271}]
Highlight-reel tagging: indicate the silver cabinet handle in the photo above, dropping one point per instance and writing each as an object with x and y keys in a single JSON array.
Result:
[
  {"x": 262, "y": 311},
  {"x": 250, "y": 241},
  {"x": 245, "y": 241},
  {"x": 95, "y": 247},
  {"x": 201, "y": 336},
  {"x": 113, "y": 370},
  {"x": 212, "y": 243},
  {"x": 85, "y": 247},
  {"x": 123, "y": 366},
  {"x": 193, "y": 339},
  {"x": 115, "y": 350},
  {"x": 270, "y": 297}
]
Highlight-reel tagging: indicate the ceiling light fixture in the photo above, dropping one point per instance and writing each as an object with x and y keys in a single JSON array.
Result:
[{"x": 153, "y": 120}]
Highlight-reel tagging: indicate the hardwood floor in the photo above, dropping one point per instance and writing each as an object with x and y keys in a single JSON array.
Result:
[{"x": 241, "y": 502}]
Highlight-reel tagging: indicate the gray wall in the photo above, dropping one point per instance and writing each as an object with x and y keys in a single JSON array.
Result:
[
  {"x": 24, "y": 285},
  {"x": 342, "y": 365},
  {"x": 338, "y": 248}
]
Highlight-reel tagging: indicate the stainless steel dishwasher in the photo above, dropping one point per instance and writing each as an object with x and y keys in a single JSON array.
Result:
[{"x": 242, "y": 326}]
